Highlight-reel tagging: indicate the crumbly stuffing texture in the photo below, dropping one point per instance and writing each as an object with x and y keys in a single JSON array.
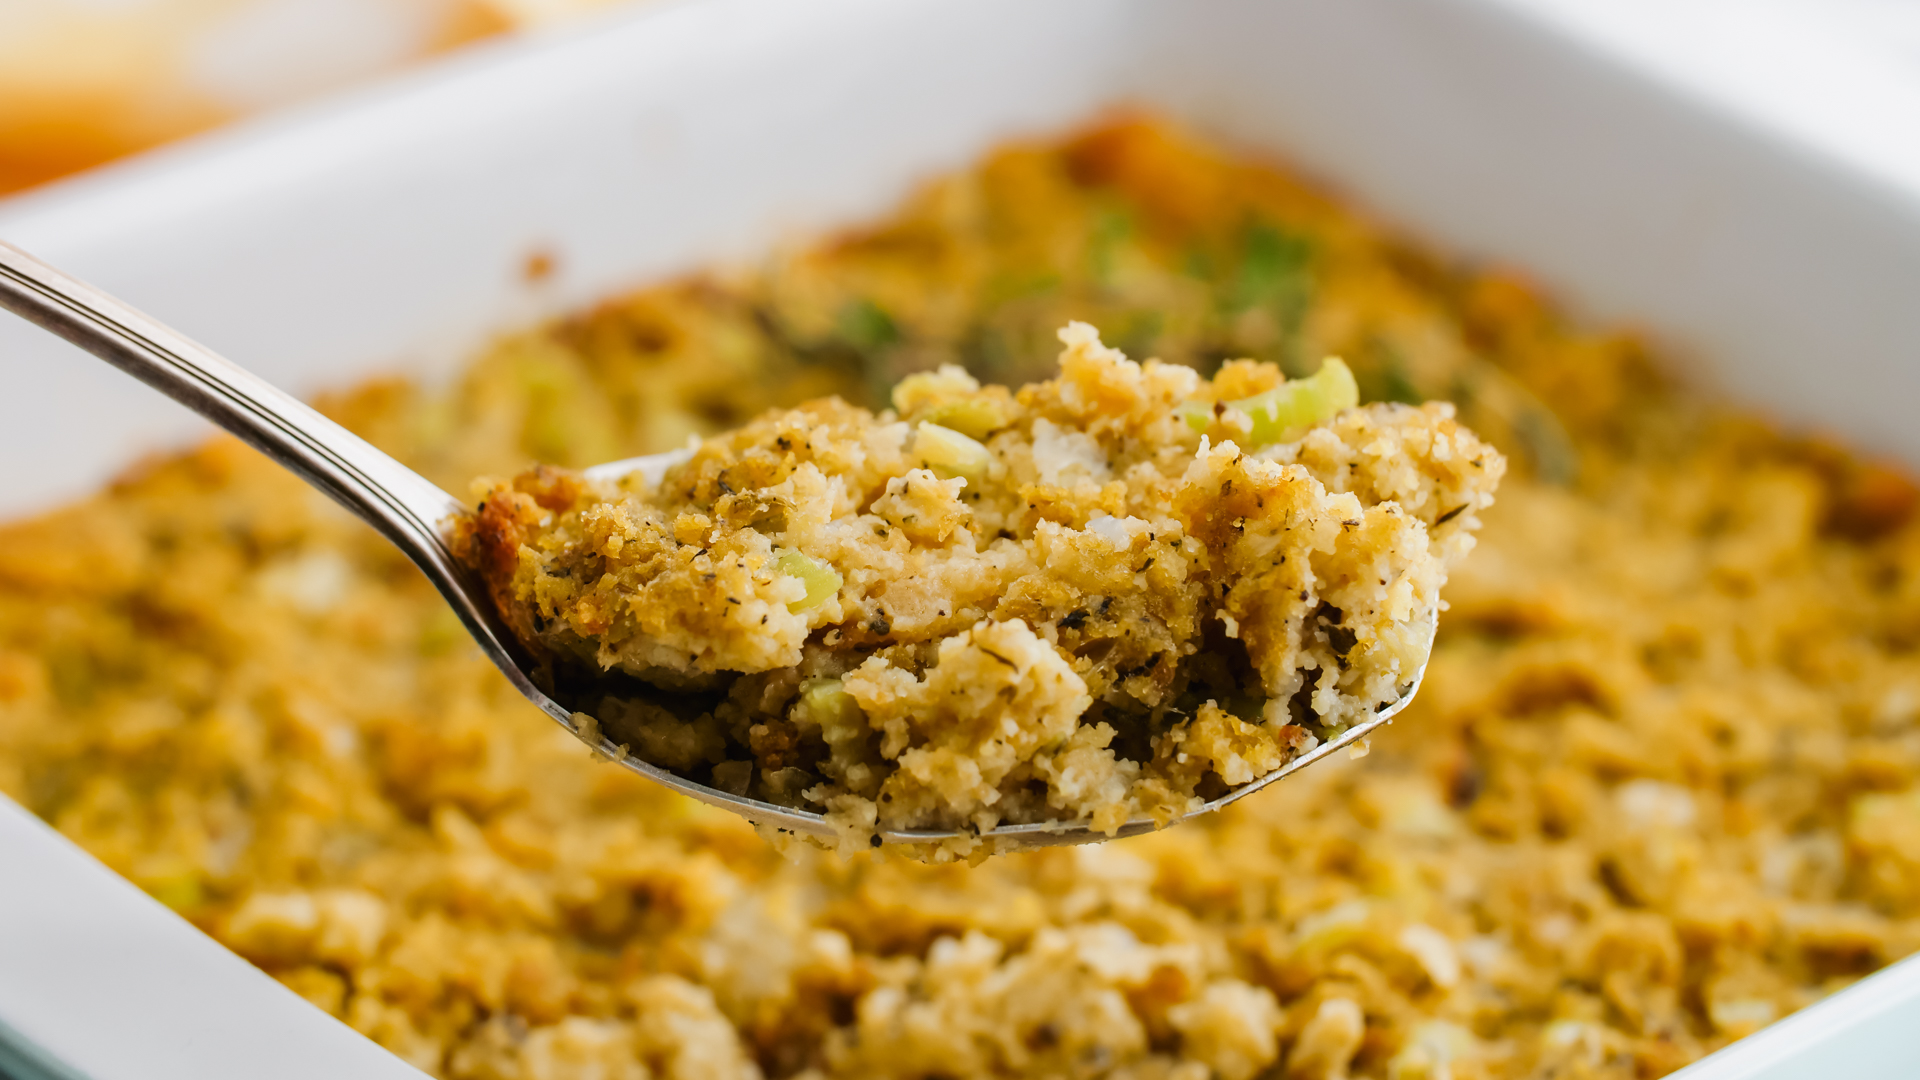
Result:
[
  {"x": 1665, "y": 786},
  {"x": 1082, "y": 607}
]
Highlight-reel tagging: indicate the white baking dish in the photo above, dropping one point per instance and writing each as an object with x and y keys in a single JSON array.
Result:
[{"x": 388, "y": 229}]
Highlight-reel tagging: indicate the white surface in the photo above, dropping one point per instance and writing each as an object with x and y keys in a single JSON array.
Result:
[
  {"x": 389, "y": 229},
  {"x": 115, "y": 985}
]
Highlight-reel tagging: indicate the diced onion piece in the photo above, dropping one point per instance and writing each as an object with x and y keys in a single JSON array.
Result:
[
  {"x": 1283, "y": 412},
  {"x": 949, "y": 453},
  {"x": 822, "y": 581},
  {"x": 974, "y": 417}
]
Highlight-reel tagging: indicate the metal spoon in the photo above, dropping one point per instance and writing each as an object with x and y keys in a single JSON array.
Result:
[{"x": 414, "y": 513}]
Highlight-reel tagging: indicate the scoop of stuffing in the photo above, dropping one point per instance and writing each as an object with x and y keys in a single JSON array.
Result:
[{"x": 1112, "y": 594}]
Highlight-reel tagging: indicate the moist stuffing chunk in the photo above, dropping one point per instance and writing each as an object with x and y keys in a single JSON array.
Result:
[{"x": 1109, "y": 594}]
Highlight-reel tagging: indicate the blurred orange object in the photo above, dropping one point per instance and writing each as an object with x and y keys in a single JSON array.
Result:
[{"x": 86, "y": 81}]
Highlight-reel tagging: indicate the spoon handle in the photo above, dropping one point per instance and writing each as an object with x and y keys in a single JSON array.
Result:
[
  {"x": 391, "y": 497},
  {"x": 407, "y": 508},
  {"x": 403, "y": 505}
]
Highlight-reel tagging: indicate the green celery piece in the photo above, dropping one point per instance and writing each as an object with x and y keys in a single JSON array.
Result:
[
  {"x": 821, "y": 580},
  {"x": 1285, "y": 411},
  {"x": 824, "y": 702},
  {"x": 949, "y": 453},
  {"x": 974, "y": 417}
]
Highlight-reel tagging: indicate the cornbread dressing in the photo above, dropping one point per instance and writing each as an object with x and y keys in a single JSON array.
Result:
[
  {"x": 1661, "y": 785},
  {"x": 1077, "y": 608}
]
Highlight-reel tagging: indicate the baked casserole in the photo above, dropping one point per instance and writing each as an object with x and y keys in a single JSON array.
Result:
[{"x": 1661, "y": 787}]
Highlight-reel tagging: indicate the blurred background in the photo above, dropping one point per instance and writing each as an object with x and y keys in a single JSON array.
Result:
[{"x": 87, "y": 81}]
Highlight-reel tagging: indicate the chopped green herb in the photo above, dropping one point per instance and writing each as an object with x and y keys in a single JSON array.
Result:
[
  {"x": 866, "y": 326},
  {"x": 1111, "y": 228},
  {"x": 1273, "y": 268},
  {"x": 1388, "y": 378}
]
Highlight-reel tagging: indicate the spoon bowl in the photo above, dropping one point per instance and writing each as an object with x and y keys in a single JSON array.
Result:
[{"x": 416, "y": 515}]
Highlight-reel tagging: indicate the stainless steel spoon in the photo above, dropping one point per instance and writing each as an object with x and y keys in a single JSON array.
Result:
[{"x": 414, "y": 513}]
